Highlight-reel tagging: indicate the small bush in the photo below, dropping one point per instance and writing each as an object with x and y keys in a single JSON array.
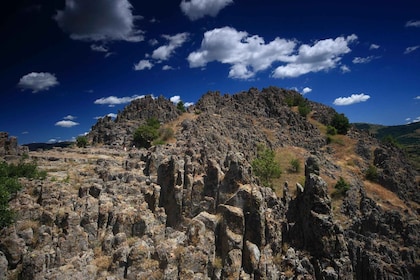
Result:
[
  {"x": 341, "y": 186},
  {"x": 372, "y": 173},
  {"x": 145, "y": 134},
  {"x": 81, "y": 141},
  {"x": 180, "y": 106},
  {"x": 341, "y": 123},
  {"x": 390, "y": 140},
  {"x": 295, "y": 165},
  {"x": 9, "y": 186},
  {"x": 166, "y": 133},
  {"x": 331, "y": 130},
  {"x": 304, "y": 110},
  {"x": 265, "y": 166}
]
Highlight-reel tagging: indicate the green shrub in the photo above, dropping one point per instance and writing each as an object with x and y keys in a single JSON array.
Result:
[
  {"x": 341, "y": 123},
  {"x": 166, "y": 133},
  {"x": 304, "y": 109},
  {"x": 180, "y": 106},
  {"x": 265, "y": 166},
  {"x": 9, "y": 185},
  {"x": 81, "y": 141},
  {"x": 145, "y": 134},
  {"x": 372, "y": 173},
  {"x": 295, "y": 165},
  {"x": 331, "y": 130},
  {"x": 341, "y": 186},
  {"x": 390, "y": 140}
]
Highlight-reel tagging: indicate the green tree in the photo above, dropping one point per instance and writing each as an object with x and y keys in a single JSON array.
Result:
[
  {"x": 265, "y": 166},
  {"x": 81, "y": 141},
  {"x": 304, "y": 109},
  {"x": 372, "y": 173},
  {"x": 341, "y": 123},
  {"x": 145, "y": 134},
  {"x": 180, "y": 106}
]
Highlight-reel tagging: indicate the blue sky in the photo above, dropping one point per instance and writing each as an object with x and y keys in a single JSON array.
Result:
[{"x": 63, "y": 64}]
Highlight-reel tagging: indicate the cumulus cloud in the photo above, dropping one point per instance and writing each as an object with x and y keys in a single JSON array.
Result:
[
  {"x": 99, "y": 20},
  {"x": 345, "y": 69},
  {"x": 374, "y": 47},
  {"x": 69, "y": 117},
  {"x": 175, "y": 99},
  {"x": 417, "y": 97},
  {"x": 363, "y": 60},
  {"x": 322, "y": 56},
  {"x": 196, "y": 9},
  {"x": 114, "y": 100},
  {"x": 167, "y": 67},
  {"x": 411, "y": 49},
  {"x": 38, "y": 81},
  {"x": 66, "y": 123},
  {"x": 143, "y": 64},
  {"x": 353, "y": 99},
  {"x": 248, "y": 55},
  {"x": 413, "y": 23},
  {"x": 164, "y": 52},
  {"x": 306, "y": 90}
]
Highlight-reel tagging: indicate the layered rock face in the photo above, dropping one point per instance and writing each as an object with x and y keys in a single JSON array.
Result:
[
  {"x": 193, "y": 209},
  {"x": 9, "y": 146}
]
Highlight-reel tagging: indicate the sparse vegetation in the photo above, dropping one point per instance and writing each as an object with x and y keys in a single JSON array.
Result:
[
  {"x": 265, "y": 166},
  {"x": 304, "y": 109},
  {"x": 390, "y": 140},
  {"x": 295, "y": 165},
  {"x": 331, "y": 130},
  {"x": 372, "y": 173},
  {"x": 10, "y": 185}
]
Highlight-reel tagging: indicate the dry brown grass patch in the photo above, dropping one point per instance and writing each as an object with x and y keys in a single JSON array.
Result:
[{"x": 384, "y": 197}]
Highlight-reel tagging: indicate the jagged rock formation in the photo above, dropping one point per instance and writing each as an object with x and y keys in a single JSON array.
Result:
[
  {"x": 193, "y": 209},
  {"x": 9, "y": 146}
]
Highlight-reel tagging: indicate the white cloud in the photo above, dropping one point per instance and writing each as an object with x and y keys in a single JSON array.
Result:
[
  {"x": 345, "y": 69},
  {"x": 175, "y": 99},
  {"x": 112, "y": 115},
  {"x": 196, "y": 9},
  {"x": 411, "y": 49},
  {"x": 167, "y": 67},
  {"x": 38, "y": 81},
  {"x": 69, "y": 117},
  {"x": 353, "y": 99},
  {"x": 99, "y": 20},
  {"x": 143, "y": 64},
  {"x": 113, "y": 100},
  {"x": 323, "y": 55},
  {"x": 153, "y": 42},
  {"x": 98, "y": 48},
  {"x": 66, "y": 123},
  {"x": 417, "y": 97},
  {"x": 374, "y": 47},
  {"x": 363, "y": 60},
  {"x": 246, "y": 54},
  {"x": 413, "y": 23},
  {"x": 164, "y": 52},
  {"x": 188, "y": 104},
  {"x": 306, "y": 90}
]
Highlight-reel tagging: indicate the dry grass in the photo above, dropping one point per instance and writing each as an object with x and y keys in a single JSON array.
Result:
[
  {"x": 384, "y": 197},
  {"x": 102, "y": 262},
  {"x": 284, "y": 156}
]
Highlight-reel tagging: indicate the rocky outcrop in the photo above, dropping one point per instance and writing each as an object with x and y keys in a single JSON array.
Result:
[
  {"x": 193, "y": 209},
  {"x": 9, "y": 146}
]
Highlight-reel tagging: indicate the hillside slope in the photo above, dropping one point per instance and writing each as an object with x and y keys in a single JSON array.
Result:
[
  {"x": 407, "y": 135},
  {"x": 192, "y": 208}
]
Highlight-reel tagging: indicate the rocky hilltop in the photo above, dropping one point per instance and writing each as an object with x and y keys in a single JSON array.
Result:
[{"x": 192, "y": 208}]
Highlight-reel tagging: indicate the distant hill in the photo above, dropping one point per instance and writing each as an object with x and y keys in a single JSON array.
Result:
[
  {"x": 407, "y": 135},
  {"x": 47, "y": 146}
]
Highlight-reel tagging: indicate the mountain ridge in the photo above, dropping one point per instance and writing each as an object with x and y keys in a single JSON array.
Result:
[{"x": 192, "y": 207}]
